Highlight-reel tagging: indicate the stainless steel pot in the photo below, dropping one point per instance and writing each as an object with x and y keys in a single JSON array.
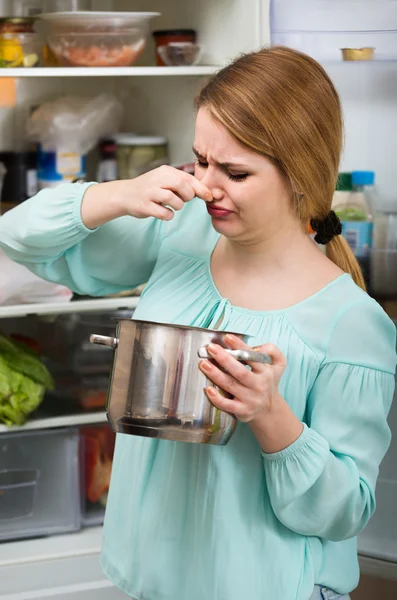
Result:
[{"x": 157, "y": 390}]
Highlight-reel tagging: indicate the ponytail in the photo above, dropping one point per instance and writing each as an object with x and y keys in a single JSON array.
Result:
[{"x": 338, "y": 250}]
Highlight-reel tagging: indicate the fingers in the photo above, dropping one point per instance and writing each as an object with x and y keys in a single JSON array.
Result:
[
  {"x": 223, "y": 380},
  {"x": 237, "y": 344},
  {"x": 168, "y": 198},
  {"x": 237, "y": 376},
  {"x": 183, "y": 184},
  {"x": 231, "y": 406},
  {"x": 200, "y": 189},
  {"x": 161, "y": 212},
  {"x": 183, "y": 189},
  {"x": 278, "y": 358}
]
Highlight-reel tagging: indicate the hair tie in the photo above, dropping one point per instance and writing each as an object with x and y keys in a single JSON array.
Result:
[{"x": 327, "y": 228}]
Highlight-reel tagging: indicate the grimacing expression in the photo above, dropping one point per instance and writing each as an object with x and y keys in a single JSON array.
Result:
[{"x": 252, "y": 199}]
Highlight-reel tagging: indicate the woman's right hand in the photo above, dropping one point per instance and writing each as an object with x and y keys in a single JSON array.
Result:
[{"x": 146, "y": 196}]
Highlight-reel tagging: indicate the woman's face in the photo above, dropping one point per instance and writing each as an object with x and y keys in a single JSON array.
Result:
[{"x": 252, "y": 200}]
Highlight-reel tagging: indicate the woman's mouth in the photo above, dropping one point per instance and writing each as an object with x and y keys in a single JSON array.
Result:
[{"x": 217, "y": 212}]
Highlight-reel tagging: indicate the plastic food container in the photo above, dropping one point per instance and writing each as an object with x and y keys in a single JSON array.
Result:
[
  {"x": 137, "y": 155},
  {"x": 357, "y": 53},
  {"x": 55, "y": 168},
  {"x": 39, "y": 486},
  {"x": 180, "y": 54},
  {"x": 20, "y": 50},
  {"x": 96, "y": 39},
  {"x": 168, "y": 36},
  {"x": 17, "y": 492}
]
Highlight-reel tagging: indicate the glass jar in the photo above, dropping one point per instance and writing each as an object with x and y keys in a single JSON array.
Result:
[
  {"x": 167, "y": 36},
  {"x": 16, "y": 25},
  {"x": 138, "y": 154}
]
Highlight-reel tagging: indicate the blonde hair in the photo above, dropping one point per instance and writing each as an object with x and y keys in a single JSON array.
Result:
[{"x": 282, "y": 104}]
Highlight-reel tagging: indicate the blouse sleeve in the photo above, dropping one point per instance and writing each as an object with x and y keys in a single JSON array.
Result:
[
  {"x": 47, "y": 235},
  {"x": 323, "y": 485}
]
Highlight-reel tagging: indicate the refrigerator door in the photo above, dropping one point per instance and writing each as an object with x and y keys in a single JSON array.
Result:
[{"x": 379, "y": 538}]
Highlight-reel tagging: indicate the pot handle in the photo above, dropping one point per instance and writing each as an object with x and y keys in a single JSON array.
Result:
[
  {"x": 104, "y": 340},
  {"x": 241, "y": 355}
]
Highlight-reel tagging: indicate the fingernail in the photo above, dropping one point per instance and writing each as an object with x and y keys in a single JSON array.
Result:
[
  {"x": 206, "y": 365},
  {"x": 211, "y": 392},
  {"x": 231, "y": 337},
  {"x": 212, "y": 349}
]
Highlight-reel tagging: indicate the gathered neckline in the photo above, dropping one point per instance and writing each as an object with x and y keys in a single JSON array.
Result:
[{"x": 268, "y": 311}]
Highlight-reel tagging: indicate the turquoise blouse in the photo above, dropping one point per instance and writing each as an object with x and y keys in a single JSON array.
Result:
[{"x": 195, "y": 522}]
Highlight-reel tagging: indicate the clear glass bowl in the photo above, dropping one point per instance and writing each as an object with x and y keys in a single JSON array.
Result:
[
  {"x": 180, "y": 54},
  {"x": 118, "y": 49}
]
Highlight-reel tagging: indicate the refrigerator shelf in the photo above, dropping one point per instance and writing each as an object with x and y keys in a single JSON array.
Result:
[{"x": 78, "y": 306}]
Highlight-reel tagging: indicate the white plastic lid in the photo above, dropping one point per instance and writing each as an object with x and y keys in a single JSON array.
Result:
[{"x": 130, "y": 139}]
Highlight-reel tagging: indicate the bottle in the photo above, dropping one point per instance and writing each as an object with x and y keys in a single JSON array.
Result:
[
  {"x": 356, "y": 213},
  {"x": 342, "y": 192},
  {"x": 107, "y": 166}
]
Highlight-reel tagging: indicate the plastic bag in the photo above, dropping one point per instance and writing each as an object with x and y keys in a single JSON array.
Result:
[
  {"x": 19, "y": 286},
  {"x": 74, "y": 124}
]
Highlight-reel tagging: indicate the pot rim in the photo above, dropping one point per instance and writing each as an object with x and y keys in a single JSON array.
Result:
[{"x": 177, "y": 326}]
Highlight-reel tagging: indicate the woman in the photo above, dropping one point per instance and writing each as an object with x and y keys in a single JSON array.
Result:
[{"x": 274, "y": 514}]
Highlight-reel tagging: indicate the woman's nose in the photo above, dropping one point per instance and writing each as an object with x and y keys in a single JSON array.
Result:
[{"x": 211, "y": 180}]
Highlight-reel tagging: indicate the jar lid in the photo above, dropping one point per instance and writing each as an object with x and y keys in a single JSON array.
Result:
[
  {"x": 363, "y": 177},
  {"x": 174, "y": 32},
  {"x": 344, "y": 182},
  {"x": 18, "y": 20},
  {"x": 129, "y": 139}
]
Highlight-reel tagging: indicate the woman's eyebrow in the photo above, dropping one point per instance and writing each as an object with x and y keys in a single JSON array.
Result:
[{"x": 225, "y": 165}]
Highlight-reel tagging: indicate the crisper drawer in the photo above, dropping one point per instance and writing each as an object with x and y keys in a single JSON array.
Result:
[{"x": 39, "y": 483}]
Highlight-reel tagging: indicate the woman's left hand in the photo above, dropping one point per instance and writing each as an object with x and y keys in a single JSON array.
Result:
[{"x": 254, "y": 391}]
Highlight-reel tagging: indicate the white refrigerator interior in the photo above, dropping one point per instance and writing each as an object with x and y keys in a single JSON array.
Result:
[{"x": 156, "y": 103}]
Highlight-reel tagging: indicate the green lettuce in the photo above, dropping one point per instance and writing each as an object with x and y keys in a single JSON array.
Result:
[{"x": 23, "y": 382}]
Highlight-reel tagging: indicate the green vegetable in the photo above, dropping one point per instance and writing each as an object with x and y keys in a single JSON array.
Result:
[{"x": 23, "y": 382}]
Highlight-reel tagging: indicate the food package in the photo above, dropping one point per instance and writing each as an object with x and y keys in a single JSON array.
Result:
[
  {"x": 98, "y": 448},
  {"x": 19, "y": 286},
  {"x": 74, "y": 124}
]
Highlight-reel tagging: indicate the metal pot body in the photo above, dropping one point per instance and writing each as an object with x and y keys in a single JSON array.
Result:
[{"x": 157, "y": 389}]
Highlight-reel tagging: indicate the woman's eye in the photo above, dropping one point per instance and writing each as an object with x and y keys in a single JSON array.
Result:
[
  {"x": 201, "y": 164},
  {"x": 239, "y": 177}
]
